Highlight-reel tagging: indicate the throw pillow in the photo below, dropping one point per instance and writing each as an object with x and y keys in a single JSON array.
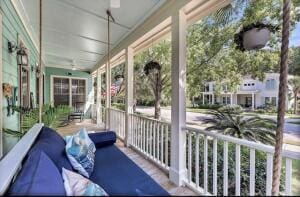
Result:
[
  {"x": 77, "y": 185},
  {"x": 81, "y": 152}
]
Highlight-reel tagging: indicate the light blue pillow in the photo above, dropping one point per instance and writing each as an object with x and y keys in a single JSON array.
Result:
[
  {"x": 81, "y": 152},
  {"x": 77, "y": 185}
]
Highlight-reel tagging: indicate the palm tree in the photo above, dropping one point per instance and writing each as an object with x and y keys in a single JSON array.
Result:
[
  {"x": 295, "y": 85},
  {"x": 251, "y": 128}
]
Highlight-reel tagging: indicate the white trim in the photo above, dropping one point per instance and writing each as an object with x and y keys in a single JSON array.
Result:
[
  {"x": 25, "y": 22},
  {"x": 1, "y": 92},
  {"x": 70, "y": 88}
]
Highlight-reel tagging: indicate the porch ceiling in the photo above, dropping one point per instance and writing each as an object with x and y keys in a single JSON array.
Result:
[{"x": 76, "y": 30}]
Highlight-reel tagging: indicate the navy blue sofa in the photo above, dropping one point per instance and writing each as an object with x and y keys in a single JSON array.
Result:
[{"x": 113, "y": 170}]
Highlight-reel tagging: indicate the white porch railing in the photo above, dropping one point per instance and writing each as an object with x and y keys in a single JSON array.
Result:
[
  {"x": 151, "y": 137},
  {"x": 216, "y": 164},
  {"x": 203, "y": 148},
  {"x": 117, "y": 122}
]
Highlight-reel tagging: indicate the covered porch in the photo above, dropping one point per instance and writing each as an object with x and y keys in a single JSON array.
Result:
[{"x": 184, "y": 160}]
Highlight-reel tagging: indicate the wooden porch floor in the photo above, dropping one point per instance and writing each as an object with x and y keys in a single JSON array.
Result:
[{"x": 158, "y": 175}]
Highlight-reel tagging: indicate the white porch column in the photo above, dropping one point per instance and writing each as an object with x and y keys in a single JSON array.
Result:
[
  {"x": 212, "y": 98},
  {"x": 98, "y": 99},
  {"x": 129, "y": 93},
  {"x": 203, "y": 97},
  {"x": 178, "y": 137},
  {"x": 108, "y": 95},
  {"x": 253, "y": 100},
  {"x": 231, "y": 99}
]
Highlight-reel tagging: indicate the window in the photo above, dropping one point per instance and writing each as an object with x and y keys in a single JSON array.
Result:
[
  {"x": 226, "y": 100},
  {"x": 24, "y": 86},
  {"x": 206, "y": 88},
  {"x": 270, "y": 84},
  {"x": 271, "y": 101},
  {"x": 245, "y": 84},
  {"x": 69, "y": 91},
  {"x": 61, "y": 91}
]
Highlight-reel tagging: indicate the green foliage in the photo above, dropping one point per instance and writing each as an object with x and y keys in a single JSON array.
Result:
[
  {"x": 119, "y": 106},
  {"x": 251, "y": 128},
  {"x": 52, "y": 117},
  {"x": 233, "y": 109}
]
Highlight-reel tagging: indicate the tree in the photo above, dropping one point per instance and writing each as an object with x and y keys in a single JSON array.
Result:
[
  {"x": 153, "y": 81},
  {"x": 253, "y": 128},
  {"x": 295, "y": 85}
]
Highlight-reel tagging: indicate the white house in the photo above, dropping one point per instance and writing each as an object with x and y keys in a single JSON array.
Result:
[{"x": 251, "y": 93}]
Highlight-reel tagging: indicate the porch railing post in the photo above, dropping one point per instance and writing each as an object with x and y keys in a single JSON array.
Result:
[
  {"x": 178, "y": 171},
  {"x": 98, "y": 97},
  {"x": 129, "y": 93},
  {"x": 108, "y": 95}
]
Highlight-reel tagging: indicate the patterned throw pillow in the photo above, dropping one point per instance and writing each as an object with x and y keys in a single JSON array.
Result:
[
  {"x": 81, "y": 152},
  {"x": 77, "y": 185}
]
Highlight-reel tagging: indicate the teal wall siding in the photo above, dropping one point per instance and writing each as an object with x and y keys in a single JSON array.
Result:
[
  {"x": 69, "y": 73},
  {"x": 12, "y": 29}
]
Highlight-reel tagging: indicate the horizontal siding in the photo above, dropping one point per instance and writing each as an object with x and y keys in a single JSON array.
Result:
[{"x": 12, "y": 26}]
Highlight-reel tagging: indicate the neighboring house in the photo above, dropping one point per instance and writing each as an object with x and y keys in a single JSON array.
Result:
[{"x": 251, "y": 93}]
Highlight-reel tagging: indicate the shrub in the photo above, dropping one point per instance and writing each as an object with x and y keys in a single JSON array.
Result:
[{"x": 233, "y": 109}]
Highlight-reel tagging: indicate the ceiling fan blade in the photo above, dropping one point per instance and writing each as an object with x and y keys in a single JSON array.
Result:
[{"x": 115, "y": 3}]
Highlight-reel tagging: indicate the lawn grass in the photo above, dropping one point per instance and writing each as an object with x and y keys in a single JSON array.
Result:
[{"x": 197, "y": 110}]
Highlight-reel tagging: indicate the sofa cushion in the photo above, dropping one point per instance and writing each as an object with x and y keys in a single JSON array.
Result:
[
  {"x": 118, "y": 175},
  {"x": 81, "y": 152},
  {"x": 103, "y": 139},
  {"x": 77, "y": 185},
  {"x": 39, "y": 176},
  {"x": 54, "y": 146}
]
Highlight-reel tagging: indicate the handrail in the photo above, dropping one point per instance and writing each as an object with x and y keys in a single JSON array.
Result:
[
  {"x": 243, "y": 142},
  {"x": 152, "y": 119},
  {"x": 10, "y": 164}
]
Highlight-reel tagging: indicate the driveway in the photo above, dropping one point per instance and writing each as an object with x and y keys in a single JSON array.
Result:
[{"x": 291, "y": 133}]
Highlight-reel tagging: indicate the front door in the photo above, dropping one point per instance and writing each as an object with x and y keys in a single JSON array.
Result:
[{"x": 248, "y": 101}]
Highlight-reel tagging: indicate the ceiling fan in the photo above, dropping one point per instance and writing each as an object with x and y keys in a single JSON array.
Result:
[
  {"x": 115, "y": 3},
  {"x": 73, "y": 64}
]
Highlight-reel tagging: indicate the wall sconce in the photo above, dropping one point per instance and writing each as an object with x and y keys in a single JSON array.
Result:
[{"x": 22, "y": 56}]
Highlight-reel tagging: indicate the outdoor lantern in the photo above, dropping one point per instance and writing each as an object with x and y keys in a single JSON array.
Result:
[{"x": 22, "y": 57}]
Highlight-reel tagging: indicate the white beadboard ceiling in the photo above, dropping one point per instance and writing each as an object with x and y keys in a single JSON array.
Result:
[{"x": 76, "y": 30}]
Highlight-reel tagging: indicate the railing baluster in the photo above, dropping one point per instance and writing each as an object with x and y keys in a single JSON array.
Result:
[
  {"x": 197, "y": 160},
  {"x": 157, "y": 141},
  {"x": 269, "y": 173},
  {"x": 190, "y": 157},
  {"x": 252, "y": 172},
  {"x": 205, "y": 164},
  {"x": 215, "y": 167},
  {"x": 288, "y": 176},
  {"x": 151, "y": 137},
  {"x": 225, "y": 170},
  {"x": 237, "y": 170},
  {"x": 147, "y": 137},
  {"x": 167, "y": 146},
  {"x": 162, "y": 143},
  {"x": 143, "y": 135},
  {"x": 154, "y": 139}
]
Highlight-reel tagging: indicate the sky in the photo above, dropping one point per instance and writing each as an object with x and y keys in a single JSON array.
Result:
[{"x": 295, "y": 36}]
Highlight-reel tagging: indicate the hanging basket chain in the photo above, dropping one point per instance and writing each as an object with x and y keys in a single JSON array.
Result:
[{"x": 282, "y": 98}]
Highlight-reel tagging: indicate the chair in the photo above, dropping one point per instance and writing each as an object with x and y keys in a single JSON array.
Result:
[{"x": 78, "y": 112}]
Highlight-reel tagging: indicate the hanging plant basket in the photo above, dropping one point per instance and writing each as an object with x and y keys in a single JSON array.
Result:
[{"x": 254, "y": 36}]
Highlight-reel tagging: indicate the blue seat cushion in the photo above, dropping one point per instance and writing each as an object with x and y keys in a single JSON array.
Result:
[
  {"x": 103, "y": 139},
  {"x": 54, "y": 146},
  {"x": 39, "y": 176},
  {"x": 118, "y": 175}
]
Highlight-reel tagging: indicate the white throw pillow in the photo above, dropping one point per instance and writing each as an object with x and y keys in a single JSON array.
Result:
[{"x": 77, "y": 185}]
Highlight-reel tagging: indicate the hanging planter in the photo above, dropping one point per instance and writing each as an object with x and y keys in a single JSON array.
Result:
[{"x": 254, "y": 36}]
